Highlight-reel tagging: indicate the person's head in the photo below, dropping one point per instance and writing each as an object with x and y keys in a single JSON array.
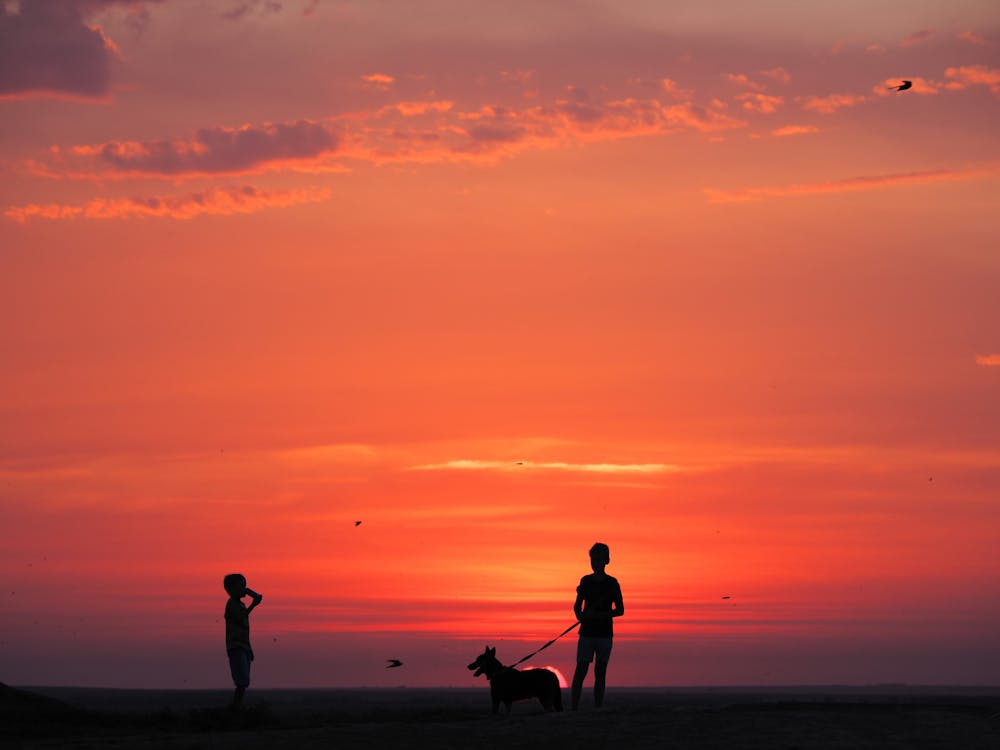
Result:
[
  {"x": 235, "y": 585},
  {"x": 600, "y": 556}
]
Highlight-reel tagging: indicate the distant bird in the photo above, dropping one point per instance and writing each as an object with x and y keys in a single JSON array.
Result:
[
  {"x": 357, "y": 523},
  {"x": 519, "y": 463},
  {"x": 393, "y": 663},
  {"x": 903, "y": 86},
  {"x": 727, "y": 597}
]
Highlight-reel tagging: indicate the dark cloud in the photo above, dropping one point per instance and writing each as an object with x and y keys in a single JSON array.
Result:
[
  {"x": 45, "y": 46},
  {"x": 48, "y": 47},
  {"x": 240, "y": 10},
  {"x": 221, "y": 150}
]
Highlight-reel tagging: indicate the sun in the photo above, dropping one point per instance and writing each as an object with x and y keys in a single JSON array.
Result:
[{"x": 555, "y": 670}]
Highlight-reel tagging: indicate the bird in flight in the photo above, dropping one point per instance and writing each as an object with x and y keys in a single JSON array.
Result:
[
  {"x": 393, "y": 663},
  {"x": 903, "y": 86},
  {"x": 357, "y": 523}
]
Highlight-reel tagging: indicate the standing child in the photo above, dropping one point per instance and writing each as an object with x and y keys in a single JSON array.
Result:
[
  {"x": 598, "y": 600},
  {"x": 238, "y": 632}
]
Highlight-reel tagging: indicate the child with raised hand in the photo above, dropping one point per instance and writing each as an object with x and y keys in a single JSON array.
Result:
[{"x": 238, "y": 632}]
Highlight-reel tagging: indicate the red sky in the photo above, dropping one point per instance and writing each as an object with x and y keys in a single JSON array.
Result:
[{"x": 499, "y": 280}]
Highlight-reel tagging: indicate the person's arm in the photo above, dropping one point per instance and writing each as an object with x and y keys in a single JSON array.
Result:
[
  {"x": 256, "y": 600},
  {"x": 617, "y": 605},
  {"x": 578, "y": 605}
]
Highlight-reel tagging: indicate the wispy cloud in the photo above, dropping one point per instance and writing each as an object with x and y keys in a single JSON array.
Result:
[
  {"x": 215, "y": 201},
  {"x": 763, "y": 103},
  {"x": 988, "y": 360},
  {"x": 973, "y": 38},
  {"x": 917, "y": 37},
  {"x": 973, "y": 75},
  {"x": 743, "y": 80},
  {"x": 778, "y": 74},
  {"x": 794, "y": 130},
  {"x": 380, "y": 81},
  {"x": 599, "y": 468},
  {"x": 920, "y": 86},
  {"x": 852, "y": 184},
  {"x": 832, "y": 102}
]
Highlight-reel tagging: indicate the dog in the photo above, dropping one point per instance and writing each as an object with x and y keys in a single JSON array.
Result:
[{"x": 508, "y": 684}]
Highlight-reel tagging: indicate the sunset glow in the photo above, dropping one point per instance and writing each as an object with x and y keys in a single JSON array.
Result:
[{"x": 499, "y": 280}]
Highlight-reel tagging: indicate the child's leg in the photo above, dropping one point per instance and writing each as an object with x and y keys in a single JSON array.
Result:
[
  {"x": 577, "y": 687},
  {"x": 600, "y": 673},
  {"x": 602, "y": 650},
  {"x": 239, "y": 666}
]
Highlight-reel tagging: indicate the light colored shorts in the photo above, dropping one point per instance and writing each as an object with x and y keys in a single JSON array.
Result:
[
  {"x": 588, "y": 647},
  {"x": 239, "y": 666}
]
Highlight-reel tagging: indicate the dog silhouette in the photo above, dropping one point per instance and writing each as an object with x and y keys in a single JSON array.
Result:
[{"x": 508, "y": 684}]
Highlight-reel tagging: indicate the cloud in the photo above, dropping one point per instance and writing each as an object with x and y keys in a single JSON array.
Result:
[
  {"x": 779, "y": 74},
  {"x": 852, "y": 184},
  {"x": 240, "y": 10},
  {"x": 379, "y": 81},
  {"x": 763, "y": 103},
  {"x": 742, "y": 80},
  {"x": 973, "y": 75},
  {"x": 242, "y": 150},
  {"x": 412, "y": 109},
  {"x": 917, "y": 37},
  {"x": 599, "y": 468},
  {"x": 832, "y": 102},
  {"x": 794, "y": 130},
  {"x": 921, "y": 86},
  {"x": 215, "y": 201},
  {"x": 988, "y": 360},
  {"x": 973, "y": 38},
  {"x": 433, "y": 131},
  {"x": 494, "y": 131},
  {"x": 47, "y": 48}
]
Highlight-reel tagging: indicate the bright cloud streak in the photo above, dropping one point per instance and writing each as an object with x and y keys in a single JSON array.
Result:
[
  {"x": 599, "y": 468},
  {"x": 849, "y": 185},
  {"x": 214, "y": 201},
  {"x": 988, "y": 360}
]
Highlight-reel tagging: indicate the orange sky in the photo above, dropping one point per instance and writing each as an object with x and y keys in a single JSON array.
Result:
[{"x": 499, "y": 282}]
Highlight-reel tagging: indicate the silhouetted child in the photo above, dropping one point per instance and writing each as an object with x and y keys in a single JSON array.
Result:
[
  {"x": 598, "y": 600},
  {"x": 238, "y": 632}
]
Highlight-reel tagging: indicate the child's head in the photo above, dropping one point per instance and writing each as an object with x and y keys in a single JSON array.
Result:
[
  {"x": 600, "y": 555},
  {"x": 235, "y": 584}
]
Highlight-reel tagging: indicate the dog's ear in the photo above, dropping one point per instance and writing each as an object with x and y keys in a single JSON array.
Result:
[{"x": 491, "y": 651}]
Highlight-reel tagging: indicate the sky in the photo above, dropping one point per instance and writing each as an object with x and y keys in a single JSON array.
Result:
[{"x": 499, "y": 280}]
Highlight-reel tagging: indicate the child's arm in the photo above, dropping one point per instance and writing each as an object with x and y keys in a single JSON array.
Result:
[
  {"x": 617, "y": 605},
  {"x": 256, "y": 600}
]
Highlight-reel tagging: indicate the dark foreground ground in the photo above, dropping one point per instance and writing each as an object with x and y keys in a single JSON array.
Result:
[{"x": 804, "y": 719}]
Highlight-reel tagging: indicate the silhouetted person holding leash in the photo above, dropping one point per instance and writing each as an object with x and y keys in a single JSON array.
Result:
[
  {"x": 238, "y": 632},
  {"x": 598, "y": 601}
]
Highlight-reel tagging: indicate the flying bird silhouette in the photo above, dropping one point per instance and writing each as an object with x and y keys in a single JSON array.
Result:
[
  {"x": 357, "y": 523},
  {"x": 903, "y": 86},
  {"x": 393, "y": 663}
]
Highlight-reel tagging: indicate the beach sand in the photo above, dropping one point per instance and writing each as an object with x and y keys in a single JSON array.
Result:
[{"x": 801, "y": 718}]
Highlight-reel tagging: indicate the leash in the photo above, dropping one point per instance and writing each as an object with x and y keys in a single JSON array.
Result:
[{"x": 525, "y": 658}]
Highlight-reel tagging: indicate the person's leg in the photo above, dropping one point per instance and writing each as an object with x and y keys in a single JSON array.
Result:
[
  {"x": 603, "y": 656},
  {"x": 239, "y": 666},
  {"x": 600, "y": 673},
  {"x": 577, "y": 687}
]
